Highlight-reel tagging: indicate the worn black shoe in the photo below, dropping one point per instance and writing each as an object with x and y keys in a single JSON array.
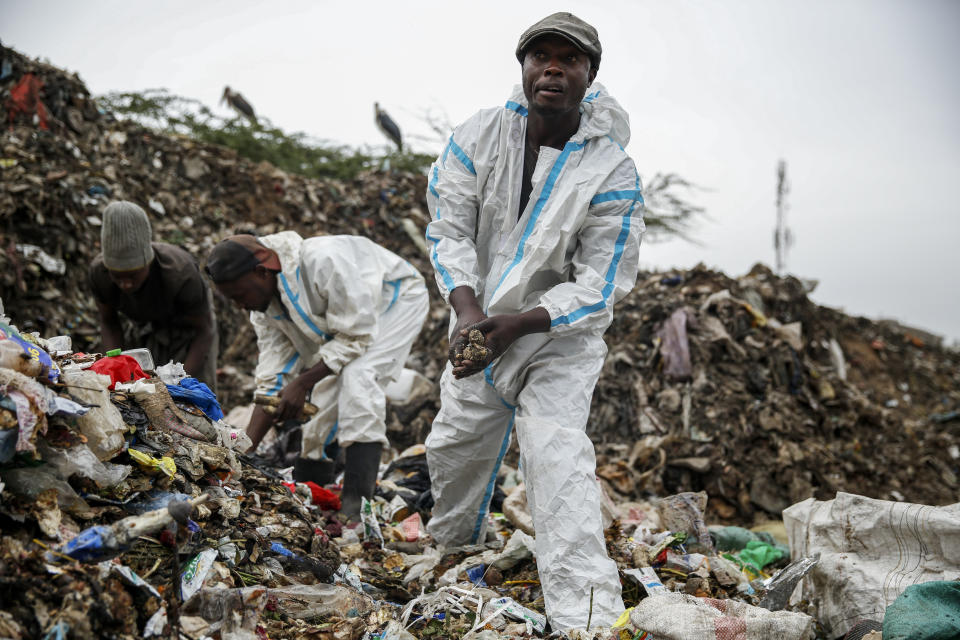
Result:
[
  {"x": 320, "y": 471},
  {"x": 362, "y": 462}
]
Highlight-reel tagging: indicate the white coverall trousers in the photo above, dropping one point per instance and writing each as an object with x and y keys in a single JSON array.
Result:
[
  {"x": 352, "y": 406},
  {"x": 548, "y": 385}
]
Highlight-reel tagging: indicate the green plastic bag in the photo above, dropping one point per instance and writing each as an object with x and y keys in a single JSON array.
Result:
[
  {"x": 731, "y": 538},
  {"x": 926, "y": 611},
  {"x": 759, "y": 554}
]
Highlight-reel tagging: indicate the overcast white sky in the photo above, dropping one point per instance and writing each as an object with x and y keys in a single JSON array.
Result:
[{"x": 860, "y": 97}]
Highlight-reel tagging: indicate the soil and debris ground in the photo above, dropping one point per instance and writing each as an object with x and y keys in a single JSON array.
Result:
[{"x": 742, "y": 389}]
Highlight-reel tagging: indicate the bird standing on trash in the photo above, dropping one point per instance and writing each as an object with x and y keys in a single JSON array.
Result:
[
  {"x": 239, "y": 104},
  {"x": 386, "y": 124}
]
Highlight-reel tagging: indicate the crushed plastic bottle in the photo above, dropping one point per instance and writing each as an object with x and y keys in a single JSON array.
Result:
[
  {"x": 101, "y": 542},
  {"x": 32, "y": 481},
  {"x": 781, "y": 586},
  {"x": 81, "y": 460}
]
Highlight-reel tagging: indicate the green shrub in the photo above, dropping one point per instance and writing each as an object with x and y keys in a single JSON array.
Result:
[{"x": 261, "y": 141}]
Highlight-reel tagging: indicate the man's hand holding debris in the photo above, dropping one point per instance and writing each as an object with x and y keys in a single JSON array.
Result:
[
  {"x": 290, "y": 406},
  {"x": 294, "y": 395},
  {"x": 465, "y": 305},
  {"x": 498, "y": 333}
]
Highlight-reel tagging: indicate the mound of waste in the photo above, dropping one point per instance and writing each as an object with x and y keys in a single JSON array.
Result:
[
  {"x": 746, "y": 389},
  {"x": 127, "y": 509},
  {"x": 62, "y": 161}
]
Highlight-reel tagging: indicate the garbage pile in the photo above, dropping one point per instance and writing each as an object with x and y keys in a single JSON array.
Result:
[
  {"x": 128, "y": 510},
  {"x": 759, "y": 397},
  {"x": 749, "y": 391},
  {"x": 122, "y": 490}
]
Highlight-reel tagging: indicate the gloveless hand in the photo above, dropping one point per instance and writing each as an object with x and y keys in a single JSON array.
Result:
[
  {"x": 499, "y": 333},
  {"x": 292, "y": 398}
]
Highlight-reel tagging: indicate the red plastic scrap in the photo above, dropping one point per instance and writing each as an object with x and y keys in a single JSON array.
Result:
[
  {"x": 120, "y": 369},
  {"x": 25, "y": 98},
  {"x": 320, "y": 497},
  {"x": 320, "y": 533},
  {"x": 326, "y": 500},
  {"x": 661, "y": 558},
  {"x": 169, "y": 538},
  {"x": 411, "y": 527}
]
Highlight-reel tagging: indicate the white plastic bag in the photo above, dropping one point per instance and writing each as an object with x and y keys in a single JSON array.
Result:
[
  {"x": 307, "y": 601},
  {"x": 171, "y": 373},
  {"x": 81, "y": 460},
  {"x": 103, "y": 426}
]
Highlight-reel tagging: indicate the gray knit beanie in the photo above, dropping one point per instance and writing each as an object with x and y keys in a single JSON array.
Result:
[{"x": 125, "y": 237}]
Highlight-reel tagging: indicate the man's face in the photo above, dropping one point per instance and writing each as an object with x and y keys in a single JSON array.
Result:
[
  {"x": 129, "y": 282},
  {"x": 253, "y": 290},
  {"x": 556, "y": 75}
]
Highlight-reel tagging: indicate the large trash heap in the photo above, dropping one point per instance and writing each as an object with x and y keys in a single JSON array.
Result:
[{"x": 128, "y": 508}]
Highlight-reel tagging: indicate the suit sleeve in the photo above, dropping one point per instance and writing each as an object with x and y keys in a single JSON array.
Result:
[
  {"x": 452, "y": 196},
  {"x": 278, "y": 361},
  {"x": 606, "y": 259}
]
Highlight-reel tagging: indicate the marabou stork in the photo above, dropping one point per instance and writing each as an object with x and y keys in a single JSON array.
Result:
[
  {"x": 386, "y": 124},
  {"x": 238, "y": 103}
]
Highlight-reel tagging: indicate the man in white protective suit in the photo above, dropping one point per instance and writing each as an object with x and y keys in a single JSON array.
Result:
[
  {"x": 335, "y": 317},
  {"x": 535, "y": 235}
]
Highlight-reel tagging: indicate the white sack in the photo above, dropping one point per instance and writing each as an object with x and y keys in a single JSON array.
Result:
[
  {"x": 870, "y": 552},
  {"x": 678, "y": 616}
]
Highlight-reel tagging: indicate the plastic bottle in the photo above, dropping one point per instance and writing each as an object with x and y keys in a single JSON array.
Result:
[
  {"x": 12, "y": 356},
  {"x": 143, "y": 357}
]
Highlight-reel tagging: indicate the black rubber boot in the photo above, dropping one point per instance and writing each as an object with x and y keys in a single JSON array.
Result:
[
  {"x": 320, "y": 471},
  {"x": 359, "y": 476}
]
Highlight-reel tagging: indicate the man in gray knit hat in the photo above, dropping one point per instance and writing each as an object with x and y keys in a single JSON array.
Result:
[
  {"x": 535, "y": 235},
  {"x": 159, "y": 289}
]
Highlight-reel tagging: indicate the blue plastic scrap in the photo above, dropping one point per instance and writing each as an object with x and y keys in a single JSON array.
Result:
[
  {"x": 282, "y": 550},
  {"x": 58, "y": 631},
  {"x": 475, "y": 575},
  {"x": 199, "y": 394},
  {"x": 90, "y": 544}
]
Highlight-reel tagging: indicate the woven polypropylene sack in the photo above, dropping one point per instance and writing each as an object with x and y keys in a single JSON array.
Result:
[
  {"x": 870, "y": 551},
  {"x": 678, "y": 616},
  {"x": 861, "y": 629}
]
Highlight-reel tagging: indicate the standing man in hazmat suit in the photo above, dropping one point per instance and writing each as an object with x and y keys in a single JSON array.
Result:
[
  {"x": 335, "y": 318},
  {"x": 535, "y": 235}
]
